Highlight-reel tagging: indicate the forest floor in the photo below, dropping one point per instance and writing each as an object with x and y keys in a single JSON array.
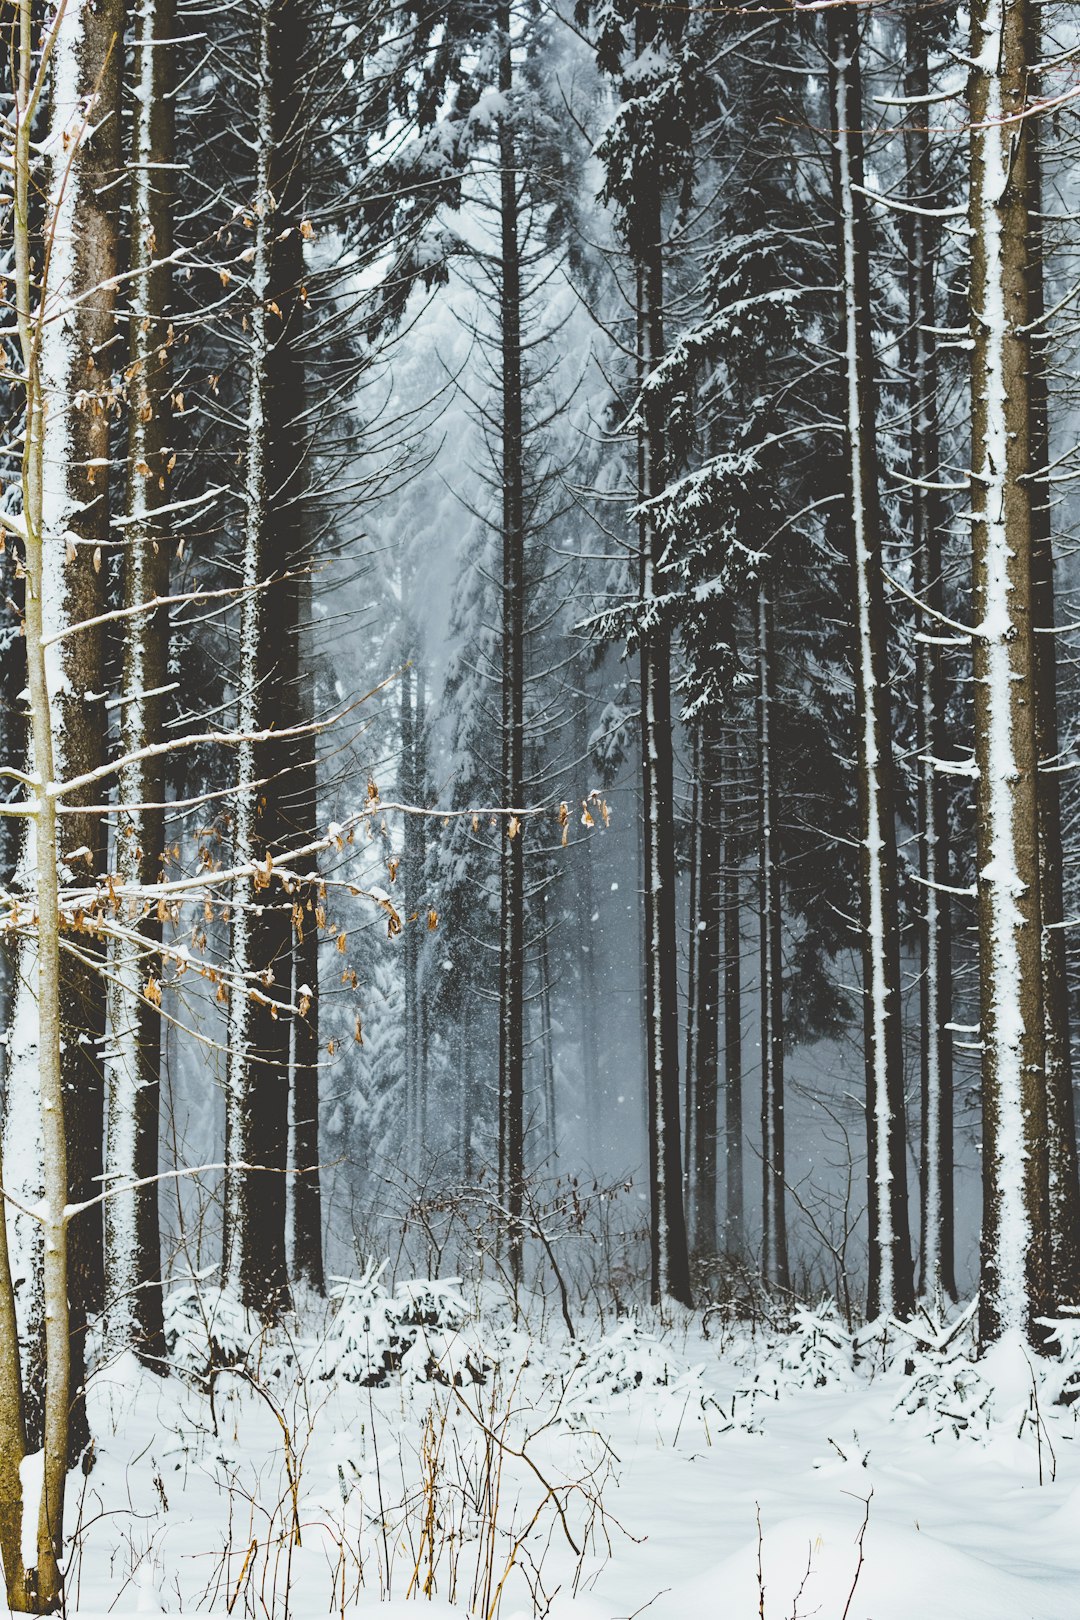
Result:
[{"x": 778, "y": 1472}]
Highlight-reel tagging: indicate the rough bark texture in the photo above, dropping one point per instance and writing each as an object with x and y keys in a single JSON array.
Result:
[
  {"x": 709, "y": 933},
  {"x": 670, "y": 1260},
  {"x": 133, "y": 1245},
  {"x": 259, "y": 1035},
  {"x": 1064, "y": 1187},
  {"x": 892, "y": 1288},
  {"x": 774, "y": 1251},
  {"x": 305, "y": 1187},
  {"x": 1015, "y": 1244},
  {"x": 734, "y": 1219},
  {"x": 927, "y": 520},
  {"x": 512, "y": 920}
]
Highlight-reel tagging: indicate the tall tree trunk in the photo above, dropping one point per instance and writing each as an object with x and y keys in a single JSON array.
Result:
[
  {"x": 927, "y": 520},
  {"x": 76, "y": 390},
  {"x": 132, "y": 1238},
  {"x": 305, "y": 1202},
  {"x": 1015, "y": 1247},
  {"x": 1064, "y": 1187},
  {"x": 669, "y": 1250},
  {"x": 690, "y": 1077},
  {"x": 774, "y": 1250},
  {"x": 734, "y": 1222},
  {"x": 892, "y": 1287},
  {"x": 585, "y": 909},
  {"x": 46, "y": 503},
  {"x": 262, "y": 940},
  {"x": 512, "y": 928},
  {"x": 710, "y": 880}
]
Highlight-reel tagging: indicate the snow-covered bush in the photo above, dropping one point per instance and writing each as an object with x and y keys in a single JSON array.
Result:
[
  {"x": 207, "y": 1328},
  {"x": 942, "y": 1387},
  {"x": 415, "y": 1331},
  {"x": 627, "y": 1361}
]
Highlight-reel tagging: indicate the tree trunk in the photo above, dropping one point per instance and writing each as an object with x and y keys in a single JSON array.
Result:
[
  {"x": 512, "y": 927},
  {"x": 1015, "y": 1249},
  {"x": 305, "y": 1211},
  {"x": 47, "y": 598},
  {"x": 710, "y": 879},
  {"x": 262, "y": 942},
  {"x": 1064, "y": 1189},
  {"x": 132, "y": 1239},
  {"x": 774, "y": 1252},
  {"x": 690, "y": 1078},
  {"x": 734, "y": 1221},
  {"x": 670, "y": 1259},
  {"x": 927, "y": 515},
  {"x": 892, "y": 1289}
]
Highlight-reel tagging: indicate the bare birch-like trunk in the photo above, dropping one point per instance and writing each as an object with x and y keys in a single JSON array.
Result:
[{"x": 1015, "y": 1285}]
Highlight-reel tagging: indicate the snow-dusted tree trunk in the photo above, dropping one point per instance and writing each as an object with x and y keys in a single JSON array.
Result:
[
  {"x": 47, "y": 565},
  {"x": 305, "y": 1187},
  {"x": 1064, "y": 1208},
  {"x": 710, "y": 878},
  {"x": 260, "y": 1045},
  {"x": 734, "y": 1220},
  {"x": 774, "y": 1252},
  {"x": 670, "y": 1258},
  {"x": 891, "y": 1276},
  {"x": 132, "y": 1240},
  {"x": 512, "y": 903},
  {"x": 927, "y": 520},
  {"x": 1016, "y": 1251},
  {"x": 77, "y": 388}
]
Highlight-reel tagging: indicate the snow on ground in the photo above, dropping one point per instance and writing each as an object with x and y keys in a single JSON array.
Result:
[{"x": 645, "y": 1469}]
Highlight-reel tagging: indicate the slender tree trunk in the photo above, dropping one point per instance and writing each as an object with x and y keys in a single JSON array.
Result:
[
  {"x": 76, "y": 390},
  {"x": 45, "y": 561},
  {"x": 262, "y": 943},
  {"x": 306, "y": 1185},
  {"x": 585, "y": 907},
  {"x": 935, "y": 934},
  {"x": 1016, "y": 1247},
  {"x": 690, "y": 1079},
  {"x": 669, "y": 1250},
  {"x": 892, "y": 1289},
  {"x": 512, "y": 933},
  {"x": 709, "y": 935},
  {"x": 1064, "y": 1188},
  {"x": 734, "y": 1223},
  {"x": 774, "y": 1251},
  {"x": 132, "y": 1240}
]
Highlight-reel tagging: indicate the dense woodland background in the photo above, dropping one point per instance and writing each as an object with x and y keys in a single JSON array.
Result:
[{"x": 559, "y": 743}]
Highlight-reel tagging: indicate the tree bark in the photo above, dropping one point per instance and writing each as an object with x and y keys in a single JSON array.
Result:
[
  {"x": 132, "y": 1239},
  {"x": 1064, "y": 1187},
  {"x": 734, "y": 1220},
  {"x": 927, "y": 515},
  {"x": 892, "y": 1289},
  {"x": 707, "y": 1025},
  {"x": 1015, "y": 1243},
  {"x": 669, "y": 1252},
  {"x": 774, "y": 1250},
  {"x": 512, "y": 922},
  {"x": 262, "y": 932}
]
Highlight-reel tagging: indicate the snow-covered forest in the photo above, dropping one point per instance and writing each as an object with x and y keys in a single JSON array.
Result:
[{"x": 539, "y": 875}]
